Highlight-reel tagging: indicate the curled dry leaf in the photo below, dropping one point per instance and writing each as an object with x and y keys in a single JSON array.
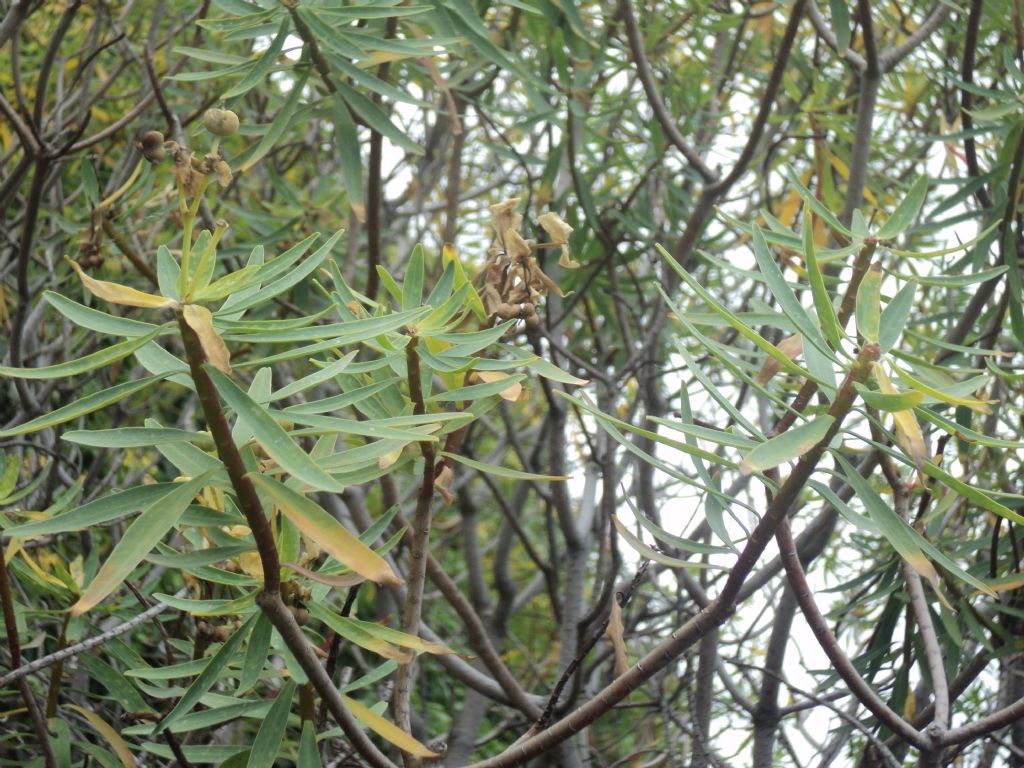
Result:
[
  {"x": 791, "y": 347},
  {"x": 505, "y": 217},
  {"x": 120, "y": 294},
  {"x": 559, "y": 233},
  {"x": 615, "y": 633},
  {"x": 443, "y": 484},
  {"x": 200, "y": 320}
]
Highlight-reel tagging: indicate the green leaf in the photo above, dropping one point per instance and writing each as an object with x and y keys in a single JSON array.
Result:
[
  {"x": 910, "y": 544},
  {"x": 840, "y": 24},
  {"x": 894, "y": 316},
  {"x": 255, "y": 653},
  {"x": 476, "y": 391},
  {"x": 326, "y": 373},
  {"x": 869, "y": 306},
  {"x": 791, "y": 444},
  {"x": 82, "y": 406},
  {"x": 141, "y": 537},
  {"x": 264, "y": 64},
  {"x": 85, "y": 364},
  {"x": 309, "y": 755},
  {"x": 96, "y": 512},
  {"x": 649, "y": 552},
  {"x": 279, "y": 125},
  {"x": 412, "y": 284},
  {"x": 889, "y": 402},
  {"x": 350, "y": 162},
  {"x": 822, "y": 301},
  {"x": 267, "y": 744},
  {"x": 95, "y": 320},
  {"x": 376, "y": 118},
  {"x": 906, "y": 211},
  {"x": 729, "y": 317},
  {"x": 661, "y": 535},
  {"x": 784, "y": 295},
  {"x": 269, "y": 434},
  {"x": 499, "y": 471},
  {"x": 133, "y": 437},
  {"x": 208, "y": 676}
]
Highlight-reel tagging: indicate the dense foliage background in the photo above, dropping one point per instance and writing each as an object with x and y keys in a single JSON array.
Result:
[{"x": 829, "y": 340}]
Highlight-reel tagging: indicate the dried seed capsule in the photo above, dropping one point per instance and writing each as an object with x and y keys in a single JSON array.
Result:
[
  {"x": 507, "y": 311},
  {"x": 151, "y": 145},
  {"x": 220, "y": 122},
  {"x": 533, "y": 322}
]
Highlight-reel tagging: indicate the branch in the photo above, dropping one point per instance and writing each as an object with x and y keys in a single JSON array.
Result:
[
  {"x": 418, "y": 551},
  {"x": 269, "y": 599},
  {"x": 718, "y": 611},
  {"x": 84, "y": 645},
  {"x": 893, "y": 56},
  {"x": 821, "y": 26},
  {"x": 643, "y": 69},
  {"x": 843, "y": 666}
]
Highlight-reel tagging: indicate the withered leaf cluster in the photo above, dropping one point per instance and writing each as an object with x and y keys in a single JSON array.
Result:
[{"x": 513, "y": 280}]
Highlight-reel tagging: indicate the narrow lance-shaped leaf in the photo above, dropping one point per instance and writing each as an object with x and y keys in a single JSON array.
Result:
[
  {"x": 267, "y": 744},
  {"x": 840, "y": 24},
  {"x": 355, "y": 634},
  {"x": 120, "y": 294},
  {"x": 894, "y": 316},
  {"x": 822, "y": 302},
  {"x": 208, "y": 676},
  {"x": 908, "y": 431},
  {"x": 141, "y": 537},
  {"x": 730, "y": 317},
  {"x": 903, "y": 538},
  {"x": 906, "y": 211},
  {"x": 649, "y": 552},
  {"x": 789, "y": 445},
  {"x": 112, "y": 737},
  {"x": 386, "y": 729},
  {"x": 869, "y": 308},
  {"x": 499, "y": 471},
  {"x": 309, "y": 755},
  {"x": 85, "y": 364},
  {"x": 981, "y": 406},
  {"x": 319, "y": 526},
  {"x": 784, "y": 295},
  {"x": 94, "y": 320},
  {"x": 81, "y": 407},
  {"x": 275, "y": 441}
]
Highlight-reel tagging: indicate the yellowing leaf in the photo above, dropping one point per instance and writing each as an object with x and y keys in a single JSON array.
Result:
[
  {"x": 251, "y": 564},
  {"x": 981, "y": 406},
  {"x": 908, "y": 431},
  {"x": 389, "y": 458},
  {"x": 790, "y": 347},
  {"x": 120, "y": 294},
  {"x": 200, "y": 320},
  {"x": 387, "y": 730},
  {"x": 113, "y": 738},
  {"x": 512, "y": 393},
  {"x": 317, "y": 524}
]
